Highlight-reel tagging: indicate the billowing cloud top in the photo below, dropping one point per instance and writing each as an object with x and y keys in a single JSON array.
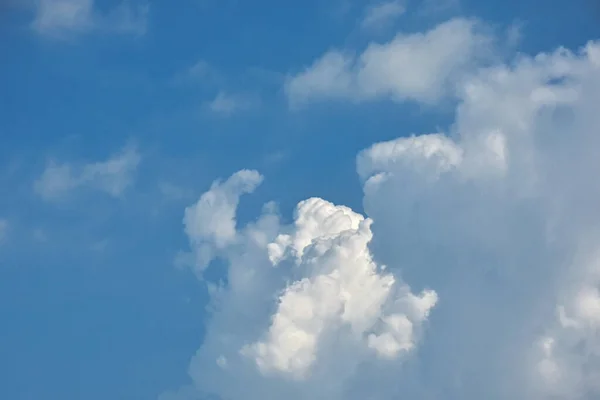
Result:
[
  {"x": 494, "y": 224},
  {"x": 304, "y": 304}
]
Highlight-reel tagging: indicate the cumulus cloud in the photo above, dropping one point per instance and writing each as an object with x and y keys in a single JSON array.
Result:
[
  {"x": 499, "y": 215},
  {"x": 422, "y": 67},
  {"x": 210, "y": 223},
  {"x": 381, "y": 14},
  {"x": 112, "y": 176},
  {"x": 475, "y": 272},
  {"x": 58, "y": 18},
  {"x": 305, "y": 306}
]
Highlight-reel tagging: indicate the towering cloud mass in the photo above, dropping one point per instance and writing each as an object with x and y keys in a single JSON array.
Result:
[
  {"x": 305, "y": 306},
  {"x": 494, "y": 224},
  {"x": 500, "y": 216}
]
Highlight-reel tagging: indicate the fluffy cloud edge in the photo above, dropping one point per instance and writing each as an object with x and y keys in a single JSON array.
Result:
[
  {"x": 421, "y": 67},
  {"x": 312, "y": 276}
]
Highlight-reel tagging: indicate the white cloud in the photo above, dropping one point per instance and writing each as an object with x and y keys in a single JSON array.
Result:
[
  {"x": 304, "y": 303},
  {"x": 112, "y": 176},
  {"x": 72, "y": 15},
  {"x": 60, "y": 18},
  {"x": 227, "y": 104},
  {"x": 210, "y": 223},
  {"x": 420, "y": 67},
  {"x": 342, "y": 289},
  {"x": 382, "y": 13},
  {"x": 498, "y": 217}
]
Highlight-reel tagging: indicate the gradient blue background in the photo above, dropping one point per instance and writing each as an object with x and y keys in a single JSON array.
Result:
[{"x": 98, "y": 310}]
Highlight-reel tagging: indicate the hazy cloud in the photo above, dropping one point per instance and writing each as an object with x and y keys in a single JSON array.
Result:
[
  {"x": 112, "y": 176},
  {"x": 381, "y": 14},
  {"x": 4, "y": 227},
  {"x": 227, "y": 103},
  {"x": 63, "y": 18}
]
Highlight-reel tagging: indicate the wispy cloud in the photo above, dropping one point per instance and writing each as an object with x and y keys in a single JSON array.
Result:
[
  {"x": 173, "y": 192},
  {"x": 203, "y": 70},
  {"x": 434, "y": 7},
  {"x": 4, "y": 226},
  {"x": 112, "y": 176},
  {"x": 39, "y": 235},
  {"x": 381, "y": 14},
  {"x": 227, "y": 103},
  {"x": 63, "y": 18}
]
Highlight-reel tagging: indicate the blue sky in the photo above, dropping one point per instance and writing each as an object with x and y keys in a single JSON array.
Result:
[{"x": 117, "y": 115}]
